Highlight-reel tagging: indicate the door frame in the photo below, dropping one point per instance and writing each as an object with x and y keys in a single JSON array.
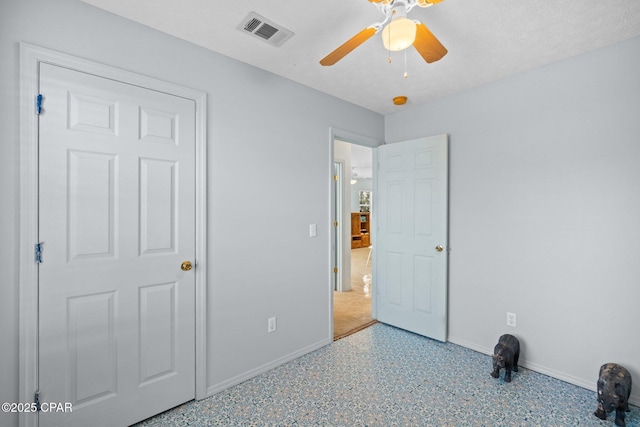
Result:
[
  {"x": 338, "y": 224},
  {"x": 31, "y": 56}
]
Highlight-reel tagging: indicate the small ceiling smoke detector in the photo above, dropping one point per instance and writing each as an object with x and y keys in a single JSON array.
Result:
[
  {"x": 264, "y": 29},
  {"x": 400, "y": 100}
]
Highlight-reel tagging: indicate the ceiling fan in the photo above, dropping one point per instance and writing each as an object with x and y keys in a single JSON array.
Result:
[{"x": 398, "y": 32}]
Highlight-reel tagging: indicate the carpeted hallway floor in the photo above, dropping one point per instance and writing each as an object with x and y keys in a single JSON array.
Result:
[{"x": 352, "y": 309}]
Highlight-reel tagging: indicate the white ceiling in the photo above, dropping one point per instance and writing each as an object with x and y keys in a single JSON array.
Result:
[{"x": 487, "y": 40}]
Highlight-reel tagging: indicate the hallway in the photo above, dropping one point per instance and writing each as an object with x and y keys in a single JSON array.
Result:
[{"x": 352, "y": 309}]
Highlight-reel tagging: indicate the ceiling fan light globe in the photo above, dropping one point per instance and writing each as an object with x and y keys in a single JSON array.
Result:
[{"x": 399, "y": 34}]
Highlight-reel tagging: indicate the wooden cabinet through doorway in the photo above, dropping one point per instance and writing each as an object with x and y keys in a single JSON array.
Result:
[{"x": 360, "y": 229}]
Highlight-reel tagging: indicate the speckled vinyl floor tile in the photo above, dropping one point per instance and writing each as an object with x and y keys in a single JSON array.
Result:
[{"x": 383, "y": 376}]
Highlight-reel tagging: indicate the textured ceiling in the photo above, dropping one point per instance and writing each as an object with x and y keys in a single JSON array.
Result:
[{"x": 487, "y": 40}]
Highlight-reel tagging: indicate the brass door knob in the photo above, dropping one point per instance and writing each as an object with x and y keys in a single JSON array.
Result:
[
  {"x": 439, "y": 248},
  {"x": 186, "y": 266}
]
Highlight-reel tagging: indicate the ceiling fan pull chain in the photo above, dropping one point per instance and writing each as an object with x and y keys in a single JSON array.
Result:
[
  {"x": 389, "y": 50},
  {"x": 405, "y": 64}
]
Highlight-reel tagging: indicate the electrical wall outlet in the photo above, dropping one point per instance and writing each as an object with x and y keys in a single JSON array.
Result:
[
  {"x": 511, "y": 319},
  {"x": 271, "y": 325}
]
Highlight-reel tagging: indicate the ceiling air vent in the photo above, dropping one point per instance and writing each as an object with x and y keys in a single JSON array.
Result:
[{"x": 260, "y": 27}]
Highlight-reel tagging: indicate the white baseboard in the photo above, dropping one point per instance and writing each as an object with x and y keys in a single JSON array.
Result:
[
  {"x": 471, "y": 346},
  {"x": 580, "y": 382},
  {"x": 216, "y": 388}
]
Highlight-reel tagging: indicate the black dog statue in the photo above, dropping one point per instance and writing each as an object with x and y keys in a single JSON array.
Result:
[
  {"x": 614, "y": 389},
  {"x": 506, "y": 355}
]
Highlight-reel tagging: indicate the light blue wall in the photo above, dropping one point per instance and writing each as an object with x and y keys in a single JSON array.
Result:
[
  {"x": 545, "y": 211},
  {"x": 269, "y": 176}
]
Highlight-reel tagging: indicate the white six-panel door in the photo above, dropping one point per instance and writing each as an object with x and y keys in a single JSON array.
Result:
[
  {"x": 116, "y": 218},
  {"x": 411, "y": 236}
]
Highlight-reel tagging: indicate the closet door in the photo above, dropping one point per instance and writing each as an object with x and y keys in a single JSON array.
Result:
[{"x": 117, "y": 218}]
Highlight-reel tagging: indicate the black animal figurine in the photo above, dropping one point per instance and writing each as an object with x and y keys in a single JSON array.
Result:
[
  {"x": 614, "y": 389},
  {"x": 506, "y": 355}
]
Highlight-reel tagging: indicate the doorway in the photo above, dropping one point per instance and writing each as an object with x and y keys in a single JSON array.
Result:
[
  {"x": 410, "y": 261},
  {"x": 353, "y": 197}
]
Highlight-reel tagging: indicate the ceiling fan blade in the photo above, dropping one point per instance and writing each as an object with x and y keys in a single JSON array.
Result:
[
  {"x": 427, "y": 45},
  {"x": 348, "y": 46},
  {"x": 428, "y": 3}
]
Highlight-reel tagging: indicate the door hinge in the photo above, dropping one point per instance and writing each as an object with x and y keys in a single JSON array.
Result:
[
  {"x": 38, "y": 254},
  {"x": 335, "y": 269},
  {"x": 36, "y": 400},
  {"x": 39, "y": 104},
  {"x": 335, "y": 177},
  {"x": 335, "y": 223}
]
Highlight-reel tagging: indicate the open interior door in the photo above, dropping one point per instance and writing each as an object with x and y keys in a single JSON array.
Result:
[{"x": 410, "y": 247}]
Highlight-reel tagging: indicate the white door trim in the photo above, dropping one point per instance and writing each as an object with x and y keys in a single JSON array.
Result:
[
  {"x": 337, "y": 228},
  {"x": 30, "y": 59}
]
